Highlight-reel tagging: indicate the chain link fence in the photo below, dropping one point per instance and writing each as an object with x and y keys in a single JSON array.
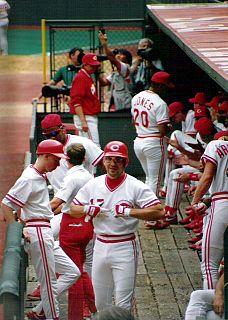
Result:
[{"x": 63, "y": 35}]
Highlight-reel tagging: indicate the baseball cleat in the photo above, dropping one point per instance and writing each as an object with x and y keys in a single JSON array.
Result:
[
  {"x": 171, "y": 219},
  {"x": 35, "y": 295},
  {"x": 34, "y": 316},
  {"x": 194, "y": 239},
  {"x": 156, "y": 225},
  {"x": 185, "y": 220}
]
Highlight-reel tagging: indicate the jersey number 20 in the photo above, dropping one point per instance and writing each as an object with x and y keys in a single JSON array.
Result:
[{"x": 141, "y": 117}]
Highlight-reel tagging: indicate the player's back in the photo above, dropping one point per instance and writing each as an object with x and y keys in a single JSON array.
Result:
[{"x": 148, "y": 110}]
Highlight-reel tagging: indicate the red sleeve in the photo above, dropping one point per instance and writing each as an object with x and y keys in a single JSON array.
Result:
[{"x": 77, "y": 91}]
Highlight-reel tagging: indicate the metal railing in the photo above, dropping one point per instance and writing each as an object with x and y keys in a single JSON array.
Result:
[{"x": 13, "y": 275}]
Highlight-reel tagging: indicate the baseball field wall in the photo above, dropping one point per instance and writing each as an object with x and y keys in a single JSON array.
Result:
[{"x": 30, "y": 12}]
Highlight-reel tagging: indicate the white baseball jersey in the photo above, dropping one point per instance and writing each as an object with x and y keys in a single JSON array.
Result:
[
  {"x": 4, "y": 7},
  {"x": 189, "y": 123},
  {"x": 131, "y": 192},
  {"x": 216, "y": 152},
  {"x": 148, "y": 110},
  {"x": 219, "y": 126},
  {"x": 93, "y": 155},
  {"x": 30, "y": 193},
  {"x": 74, "y": 180}
]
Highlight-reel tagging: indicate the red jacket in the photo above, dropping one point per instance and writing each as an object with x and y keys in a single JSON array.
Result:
[{"x": 83, "y": 92}]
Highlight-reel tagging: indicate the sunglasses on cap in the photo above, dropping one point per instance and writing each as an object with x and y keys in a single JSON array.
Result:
[{"x": 52, "y": 134}]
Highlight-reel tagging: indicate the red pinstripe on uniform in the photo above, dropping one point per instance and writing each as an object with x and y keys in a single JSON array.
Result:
[
  {"x": 207, "y": 249},
  {"x": 175, "y": 203},
  {"x": 134, "y": 245},
  {"x": 161, "y": 166},
  {"x": 46, "y": 271}
]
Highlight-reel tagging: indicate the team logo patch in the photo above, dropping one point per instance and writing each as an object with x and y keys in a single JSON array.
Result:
[
  {"x": 125, "y": 203},
  {"x": 115, "y": 147}
]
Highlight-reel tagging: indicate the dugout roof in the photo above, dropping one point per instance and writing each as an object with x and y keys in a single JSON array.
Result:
[{"x": 201, "y": 31}]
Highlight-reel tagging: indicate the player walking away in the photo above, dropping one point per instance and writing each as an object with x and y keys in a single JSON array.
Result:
[
  {"x": 115, "y": 201},
  {"x": 30, "y": 194},
  {"x": 75, "y": 233},
  {"x": 84, "y": 104},
  {"x": 150, "y": 115},
  {"x": 215, "y": 177},
  {"x": 52, "y": 128}
]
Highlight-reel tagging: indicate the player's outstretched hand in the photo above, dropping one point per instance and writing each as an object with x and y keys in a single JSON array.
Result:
[{"x": 120, "y": 211}]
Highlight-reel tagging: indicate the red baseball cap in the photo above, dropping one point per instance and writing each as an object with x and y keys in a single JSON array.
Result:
[
  {"x": 221, "y": 134},
  {"x": 200, "y": 98},
  {"x": 223, "y": 106},
  {"x": 204, "y": 126},
  {"x": 163, "y": 78},
  {"x": 200, "y": 111},
  {"x": 91, "y": 59},
  {"x": 213, "y": 103},
  {"x": 174, "y": 108},
  {"x": 51, "y": 120}
]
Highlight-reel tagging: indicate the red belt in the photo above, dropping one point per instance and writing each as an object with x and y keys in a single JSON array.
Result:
[
  {"x": 38, "y": 220},
  {"x": 117, "y": 240}
]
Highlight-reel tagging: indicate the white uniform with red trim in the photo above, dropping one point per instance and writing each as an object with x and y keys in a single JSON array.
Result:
[
  {"x": 93, "y": 155},
  {"x": 116, "y": 249},
  {"x": 30, "y": 193},
  {"x": 213, "y": 242},
  {"x": 148, "y": 110},
  {"x": 76, "y": 177}
]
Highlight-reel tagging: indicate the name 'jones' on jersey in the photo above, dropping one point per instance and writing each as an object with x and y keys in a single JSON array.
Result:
[{"x": 148, "y": 111}]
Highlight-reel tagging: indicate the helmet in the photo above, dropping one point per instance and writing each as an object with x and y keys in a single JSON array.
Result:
[
  {"x": 116, "y": 149},
  {"x": 51, "y": 147}
]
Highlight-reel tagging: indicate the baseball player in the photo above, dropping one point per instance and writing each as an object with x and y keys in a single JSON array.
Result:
[
  {"x": 52, "y": 128},
  {"x": 150, "y": 116},
  {"x": 215, "y": 160},
  {"x": 207, "y": 304},
  {"x": 84, "y": 104},
  {"x": 178, "y": 114},
  {"x": 115, "y": 201},
  {"x": 30, "y": 194},
  {"x": 4, "y": 22},
  {"x": 75, "y": 233},
  {"x": 175, "y": 187}
]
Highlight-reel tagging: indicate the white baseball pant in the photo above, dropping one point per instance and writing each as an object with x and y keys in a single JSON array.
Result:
[
  {"x": 175, "y": 189},
  {"x": 114, "y": 268},
  {"x": 170, "y": 164},
  {"x": 93, "y": 133},
  {"x": 67, "y": 270},
  {"x": 152, "y": 154},
  {"x": 3, "y": 36},
  {"x": 41, "y": 250},
  {"x": 200, "y": 306},
  {"x": 212, "y": 244}
]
